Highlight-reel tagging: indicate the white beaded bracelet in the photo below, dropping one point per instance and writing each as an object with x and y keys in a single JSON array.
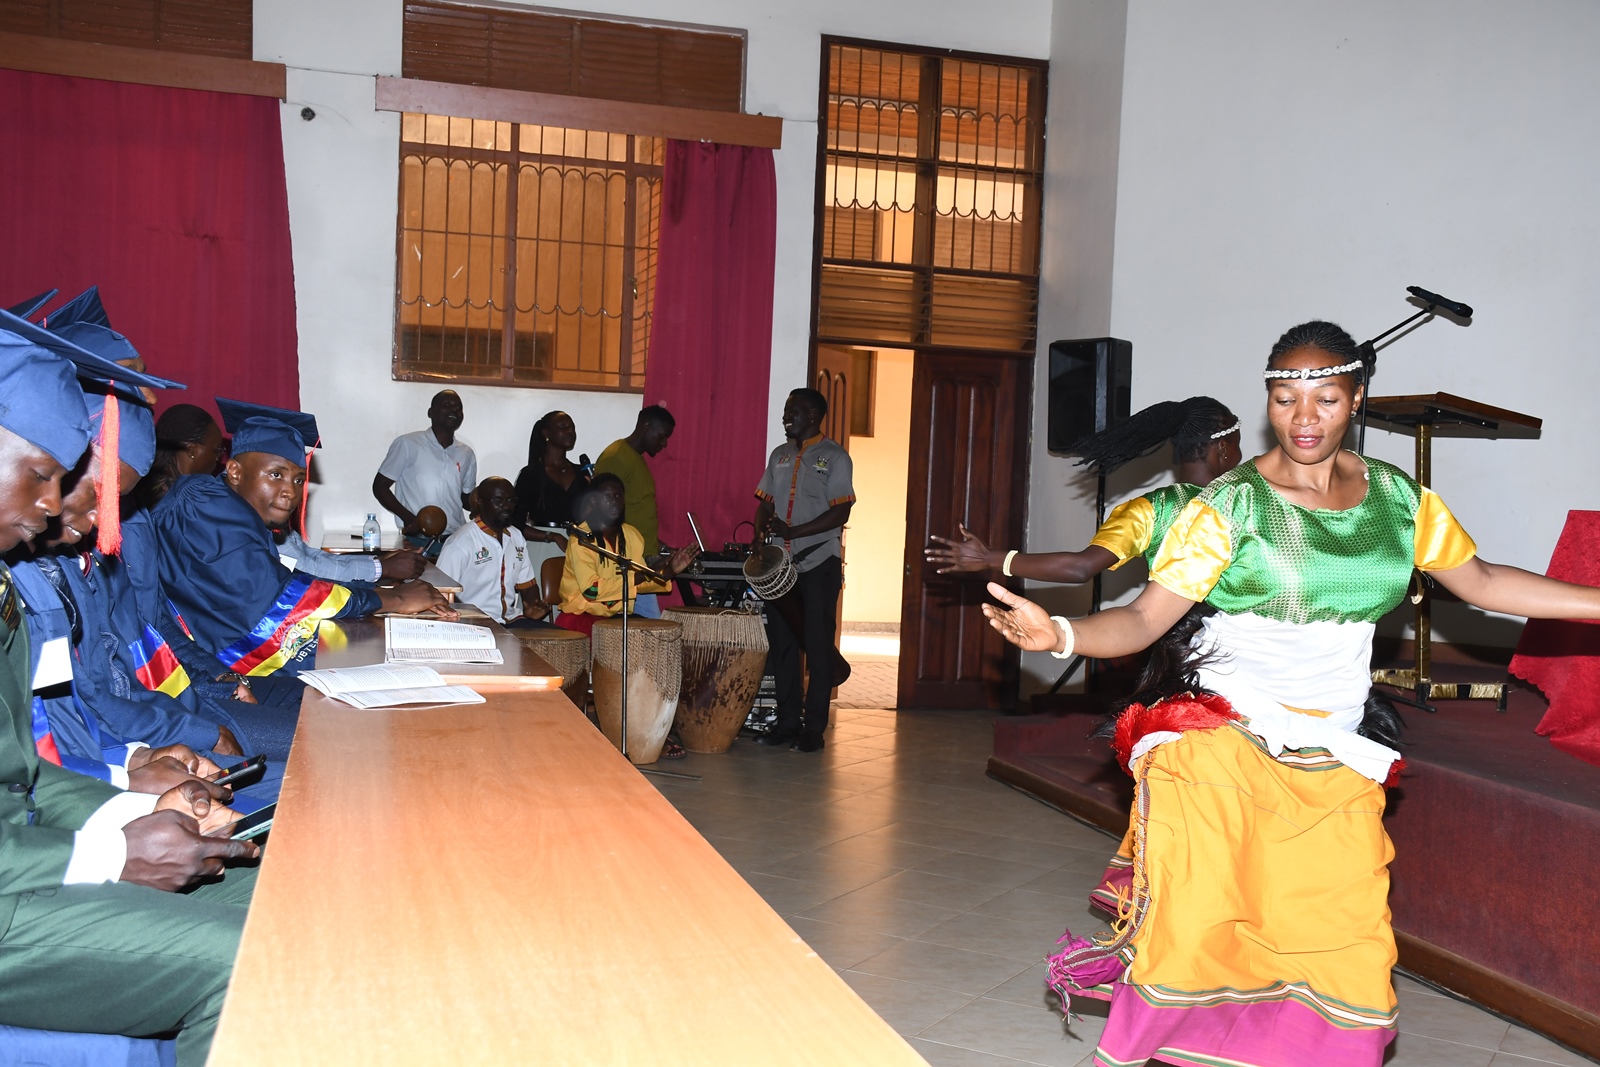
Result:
[
  {"x": 1005, "y": 566},
  {"x": 1066, "y": 628}
]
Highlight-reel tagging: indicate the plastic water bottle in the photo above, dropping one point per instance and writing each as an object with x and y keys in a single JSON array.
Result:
[{"x": 371, "y": 533}]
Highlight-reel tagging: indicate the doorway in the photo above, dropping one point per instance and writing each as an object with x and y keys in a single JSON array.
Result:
[{"x": 869, "y": 396}]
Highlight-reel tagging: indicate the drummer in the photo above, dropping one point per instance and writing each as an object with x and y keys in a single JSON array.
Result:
[
  {"x": 806, "y": 494},
  {"x": 591, "y": 586}
]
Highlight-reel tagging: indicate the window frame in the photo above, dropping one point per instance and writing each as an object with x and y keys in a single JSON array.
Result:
[
  {"x": 514, "y": 159},
  {"x": 921, "y": 275}
]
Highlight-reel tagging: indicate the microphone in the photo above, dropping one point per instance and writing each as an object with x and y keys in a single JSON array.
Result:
[
  {"x": 583, "y": 536},
  {"x": 586, "y": 465},
  {"x": 1452, "y": 306}
]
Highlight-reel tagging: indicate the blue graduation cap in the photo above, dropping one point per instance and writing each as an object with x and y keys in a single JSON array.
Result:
[
  {"x": 85, "y": 307},
  {"x": 40, "y": 397},
  {"x": 260, "y": 428},
  {"x": 136, "y": 423},
  {"x": 40, "y": 400},
  {"x": 26, "y": 309},
  {"x": 83, "y": 321},
  {"x": 90, "y": 362}
]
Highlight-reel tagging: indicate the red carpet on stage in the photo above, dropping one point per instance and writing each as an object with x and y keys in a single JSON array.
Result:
[{"x": 1563, "y": 658}]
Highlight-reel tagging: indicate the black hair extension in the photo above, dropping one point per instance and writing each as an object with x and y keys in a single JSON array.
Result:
[{"x": 1188, "y": 424}]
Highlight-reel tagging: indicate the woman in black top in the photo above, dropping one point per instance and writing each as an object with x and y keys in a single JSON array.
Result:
[{"x": 547, "y": 486}]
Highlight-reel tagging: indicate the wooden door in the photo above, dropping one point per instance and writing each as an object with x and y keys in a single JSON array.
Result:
[
  {"x": 968, "y": 465},
  {"x": 832, "y": 380}
]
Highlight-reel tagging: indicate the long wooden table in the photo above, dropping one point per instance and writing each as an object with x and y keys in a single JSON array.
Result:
[{"x": 495, "y": 884}]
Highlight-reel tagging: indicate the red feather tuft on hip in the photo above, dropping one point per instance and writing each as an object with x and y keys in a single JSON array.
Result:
[{"x": 1177, "y": 714}]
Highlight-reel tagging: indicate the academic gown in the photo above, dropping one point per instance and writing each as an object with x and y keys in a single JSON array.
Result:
[
  {"x": 62, "y": 732},
  {"x": 220, "y": 568},
  {"x": 91, "y": 722},
  {"x": 167, "y": 657}
]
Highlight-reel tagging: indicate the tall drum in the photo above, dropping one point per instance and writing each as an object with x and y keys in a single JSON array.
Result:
[
  {"x": 568, "y": 652},
  {"x": 655, "y": 672},
  {"x": 724, "y": 656}
]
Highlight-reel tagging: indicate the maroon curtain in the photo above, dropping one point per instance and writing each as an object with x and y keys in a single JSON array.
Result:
[
  {"x": 711, "y": 337},
  {"x": 173, "y": 202}
]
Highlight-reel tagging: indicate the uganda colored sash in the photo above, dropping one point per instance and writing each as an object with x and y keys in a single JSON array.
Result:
[
  {"x": 287, "y": 628},
  {"x": 156, "y": 665}
]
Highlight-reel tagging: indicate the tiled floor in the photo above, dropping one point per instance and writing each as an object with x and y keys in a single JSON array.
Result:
[{"x": 936, "y": 891}]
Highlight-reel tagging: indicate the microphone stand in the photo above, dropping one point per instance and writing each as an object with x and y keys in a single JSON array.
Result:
[
  {"x": 1369, "y": 359},
  {"x": 626, "y": 567}
]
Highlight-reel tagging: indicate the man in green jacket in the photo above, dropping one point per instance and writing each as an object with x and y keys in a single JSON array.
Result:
[{"x": 96, "y": 936}]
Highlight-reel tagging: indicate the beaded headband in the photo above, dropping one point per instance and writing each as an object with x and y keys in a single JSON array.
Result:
[
  {"x": 1307, "y": 373},
  {"x": 1220, "y": 434}
]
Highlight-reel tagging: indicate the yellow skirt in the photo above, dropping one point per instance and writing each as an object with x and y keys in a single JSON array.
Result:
[{"x": 1255, "y": 921}]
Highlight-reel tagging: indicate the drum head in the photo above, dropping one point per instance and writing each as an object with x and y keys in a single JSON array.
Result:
[{"x": 766, "y": 560}]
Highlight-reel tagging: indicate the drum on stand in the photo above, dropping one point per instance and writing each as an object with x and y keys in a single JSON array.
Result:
[
  {"x": 724, "y": 657},
  {"x": 655, "y": 669},
  {"x": 568, "y": 652}
]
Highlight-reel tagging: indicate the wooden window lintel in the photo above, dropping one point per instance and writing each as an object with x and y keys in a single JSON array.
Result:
[{"x": 576, "y": 112}]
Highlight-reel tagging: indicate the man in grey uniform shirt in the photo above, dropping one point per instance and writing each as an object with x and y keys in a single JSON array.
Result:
[{"x": 805, "y": 495}]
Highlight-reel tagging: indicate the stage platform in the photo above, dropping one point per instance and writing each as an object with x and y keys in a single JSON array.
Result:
[{"x": 1496, "y": 879}]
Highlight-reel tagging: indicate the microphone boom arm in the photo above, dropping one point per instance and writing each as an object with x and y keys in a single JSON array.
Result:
[{"x": 1369, "y": 349}]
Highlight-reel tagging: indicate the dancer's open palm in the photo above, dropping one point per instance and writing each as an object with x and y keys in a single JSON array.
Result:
[{"x": 1021, "y": 621}]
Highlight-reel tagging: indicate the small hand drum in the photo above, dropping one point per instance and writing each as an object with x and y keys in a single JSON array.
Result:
[{"x": 770, "y": 572}]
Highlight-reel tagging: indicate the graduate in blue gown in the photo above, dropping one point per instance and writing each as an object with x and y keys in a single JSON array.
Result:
[
  {"x": 108, "y": 716},
  {"x": 85, "y": 942},
  {"x": 220, "y": 566}
]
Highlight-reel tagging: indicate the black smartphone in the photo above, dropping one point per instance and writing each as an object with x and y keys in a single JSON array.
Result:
[
  {"x": 253, "y": 825},
  {"x": 247, "y": 773}
]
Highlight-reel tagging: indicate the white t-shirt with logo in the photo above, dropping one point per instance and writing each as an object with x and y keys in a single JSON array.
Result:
[
  {"x": 425, "y": 472},
  {"x": 489, "y": 570}
]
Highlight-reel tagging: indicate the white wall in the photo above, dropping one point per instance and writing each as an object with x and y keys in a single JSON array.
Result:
[
  {"x": 1280, "y": 162},
  {"x": 1082, "y": 128},
  {"x": 343, "y": 173}
]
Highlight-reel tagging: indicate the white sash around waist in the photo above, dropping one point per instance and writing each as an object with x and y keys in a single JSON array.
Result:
[{"x": 1263, "y": 667}]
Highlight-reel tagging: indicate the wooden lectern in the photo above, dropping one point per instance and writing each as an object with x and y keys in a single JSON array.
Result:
[{"x": 1427, "y": 417}]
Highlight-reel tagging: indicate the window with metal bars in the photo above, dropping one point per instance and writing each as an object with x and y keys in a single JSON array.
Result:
[
  {"x": 527, "y": 254},
  {"x": 929, "y": 216}
]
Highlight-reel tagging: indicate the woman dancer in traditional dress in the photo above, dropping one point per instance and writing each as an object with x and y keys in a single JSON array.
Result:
[
  {"x": 1205, "y": 443},
  {"x": 1255, "y": 930}
]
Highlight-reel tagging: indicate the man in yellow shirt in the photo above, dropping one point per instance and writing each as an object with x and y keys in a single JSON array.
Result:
[{"x": 591, "y": 586}]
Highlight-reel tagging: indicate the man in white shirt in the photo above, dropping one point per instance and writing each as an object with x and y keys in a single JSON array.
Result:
[
  {"x": 429, "y": 468},
  {"x": 490, "y": 559}
]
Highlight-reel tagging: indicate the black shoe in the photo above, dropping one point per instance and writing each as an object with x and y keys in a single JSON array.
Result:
[
  {"x": 808, "y": 743},
  {"x": 779, "y": 736}
]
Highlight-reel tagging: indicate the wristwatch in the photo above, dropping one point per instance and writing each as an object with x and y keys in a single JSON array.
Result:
[{"x": 235, "y": 677}]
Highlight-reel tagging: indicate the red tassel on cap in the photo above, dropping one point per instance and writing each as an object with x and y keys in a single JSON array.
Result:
[
  {"x": 109, "y": 484},
  {"x": 305, "y": 494}
]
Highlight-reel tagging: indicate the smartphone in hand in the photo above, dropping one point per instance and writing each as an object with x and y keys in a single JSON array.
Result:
[
  {"x": 253, "y": 825},
  {"x": 240, "y": 774}
]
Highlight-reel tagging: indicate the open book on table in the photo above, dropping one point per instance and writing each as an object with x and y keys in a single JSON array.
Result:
[
  {"x": 388, "y": 685},
  {"x": 413, "y": 640}
]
